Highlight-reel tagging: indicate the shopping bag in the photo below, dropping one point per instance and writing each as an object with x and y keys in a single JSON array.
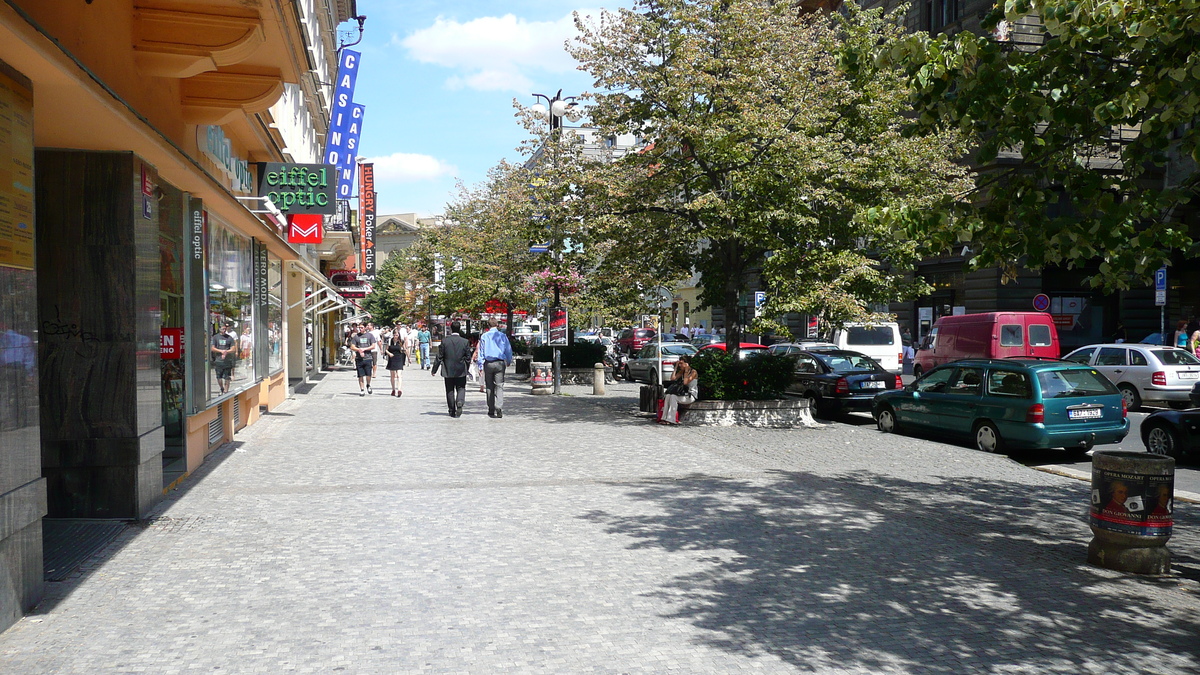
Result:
[{"x": 658, "y": 413}]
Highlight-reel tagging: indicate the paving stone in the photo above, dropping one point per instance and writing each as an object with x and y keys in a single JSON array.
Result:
[{"x": 378, "y": 535}]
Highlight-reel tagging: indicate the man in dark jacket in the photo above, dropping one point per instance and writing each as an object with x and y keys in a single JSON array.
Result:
[{"x": 453, "y": 359}]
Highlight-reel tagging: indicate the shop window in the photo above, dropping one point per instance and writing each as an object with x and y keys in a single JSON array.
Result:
[
  {"x": 231, "y": 311},
  {"x": 275, "y": 316}
]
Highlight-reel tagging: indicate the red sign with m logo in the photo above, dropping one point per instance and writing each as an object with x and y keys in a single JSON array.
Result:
[{"x": 305, "y": 228}]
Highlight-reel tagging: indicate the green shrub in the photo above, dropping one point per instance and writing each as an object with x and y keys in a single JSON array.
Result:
[
  {"x": 758, "y": 377},
  {"x": 520, "y": 346},
  {"x": 579, "y": 355}
]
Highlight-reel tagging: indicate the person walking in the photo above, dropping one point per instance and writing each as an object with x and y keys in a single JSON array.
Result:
[
  {"x": 685, "y": 379},
  {"x": 496, "y": 353},
  {"x": 423, "y": 338},
  {"x": 364, "y": 346},
  {"x": 379, "y": 355},
  {"x": 410, "y": 344},
  {"x": 453, "y": 356},
  {"x": 397, "y": 357}
]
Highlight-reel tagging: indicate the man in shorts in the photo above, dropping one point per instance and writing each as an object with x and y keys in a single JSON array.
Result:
[
  {"x": 224, "y": 356},
  {"x": 363, "y": 344},
  {"x": 375, "y": 333}
]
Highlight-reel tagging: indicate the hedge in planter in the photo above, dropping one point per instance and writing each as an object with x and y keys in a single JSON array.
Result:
[
  {"x": 758, "y": 377},
  {"x": 579, "y": 355}
]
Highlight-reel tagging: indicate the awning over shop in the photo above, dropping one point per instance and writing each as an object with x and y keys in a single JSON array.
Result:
[{"x": 326, "y": 298}]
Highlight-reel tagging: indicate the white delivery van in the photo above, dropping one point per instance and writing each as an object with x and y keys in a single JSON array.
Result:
[{"x": 880, "y": 341}]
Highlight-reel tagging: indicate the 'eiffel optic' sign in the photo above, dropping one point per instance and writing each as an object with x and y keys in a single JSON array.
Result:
[{"x": 345, "y": 124}]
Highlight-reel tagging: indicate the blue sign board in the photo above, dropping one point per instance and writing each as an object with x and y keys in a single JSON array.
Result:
[
  {"x": 1160, "y": 279},
  {"x": 345, "y": 124}
]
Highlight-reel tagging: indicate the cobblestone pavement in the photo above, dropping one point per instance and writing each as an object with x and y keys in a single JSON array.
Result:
[{"x": 378, "y": 535}]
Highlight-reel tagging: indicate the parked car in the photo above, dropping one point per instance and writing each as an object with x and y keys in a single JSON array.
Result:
[
  {"x": 793, "y": 348},
  {"x": 880, "y": 341},
  {"x": 992, "y": 335},
  {"x": 706, "y": 339},
  {"x": 644, "y": 366},
  {"x": 837, "y": 380},
  {"x": 632, "y": 340},
  {"x": 1174, "y": 433},
  {"x": 1010, "y": 403},
  {"x": 1144, "y": 373},
  {"x": 1153, "y": 339},
  {"x": 745, "y": 349}
]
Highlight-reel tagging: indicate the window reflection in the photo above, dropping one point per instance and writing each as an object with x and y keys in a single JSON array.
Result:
[
  {"x": 275, "y": 315},
  {"x": 231, "y": 312}
]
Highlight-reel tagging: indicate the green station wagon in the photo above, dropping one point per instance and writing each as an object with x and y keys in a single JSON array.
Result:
[{"x": 1009, "y": 404}]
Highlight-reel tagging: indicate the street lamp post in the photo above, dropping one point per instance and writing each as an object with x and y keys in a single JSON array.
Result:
[{"x": 555, "y": 108}]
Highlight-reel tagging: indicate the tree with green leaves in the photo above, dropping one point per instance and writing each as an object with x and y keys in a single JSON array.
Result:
[
  {"x": 776, "y": 149},
  {"x": 386, "y": 301},
  {"x": 1085, "y": 113}
]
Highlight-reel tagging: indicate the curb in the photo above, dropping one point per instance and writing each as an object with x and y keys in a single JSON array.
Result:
[{"x": 1068, "y": 472}]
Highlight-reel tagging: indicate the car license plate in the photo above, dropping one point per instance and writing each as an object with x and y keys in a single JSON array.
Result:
[
  {"x": 1085, "y": 414},
  {"x": 1188, "y": 375},
  {"x": 871, "y": 384}
]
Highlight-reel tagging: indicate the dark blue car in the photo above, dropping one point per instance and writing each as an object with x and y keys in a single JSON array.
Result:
[{"x": 837, "y": 380}]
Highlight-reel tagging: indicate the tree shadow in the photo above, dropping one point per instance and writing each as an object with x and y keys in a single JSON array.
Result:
[{"x": 870, "y": 572}]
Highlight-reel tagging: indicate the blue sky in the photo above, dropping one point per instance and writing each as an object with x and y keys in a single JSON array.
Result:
[{"x": 438, "y": 80}]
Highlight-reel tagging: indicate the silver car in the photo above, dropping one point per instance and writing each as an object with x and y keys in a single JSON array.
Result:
[
  {"x": 644, "y": 366},
  {"x": 786, "y": 348},
  {"x": 1144, "y": 373}
]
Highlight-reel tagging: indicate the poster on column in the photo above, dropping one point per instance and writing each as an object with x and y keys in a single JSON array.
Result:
[
  {"x": 366, "y": 209},
  {"x": 16, "y": 173}
]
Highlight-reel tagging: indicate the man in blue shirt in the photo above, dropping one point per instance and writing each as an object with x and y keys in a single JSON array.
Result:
[{"x": 496, "y": 353}]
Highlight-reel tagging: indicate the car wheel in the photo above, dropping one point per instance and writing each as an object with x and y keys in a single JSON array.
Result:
[
  {"x": 653, "y": 379},
  {"x": 1162, "y": 440},
  {"x": 1129, "y": 394},
  {"x": 917, "y": 372},
  {"x": 626, "y": 375},
  {"x": 987, "y": 438},
  {"x": 887, "y": 421}
]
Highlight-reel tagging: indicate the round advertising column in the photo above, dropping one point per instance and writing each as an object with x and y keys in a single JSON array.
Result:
[
  {"x": 1130, "y": 516},
  {"x": 541, "y": 377}
]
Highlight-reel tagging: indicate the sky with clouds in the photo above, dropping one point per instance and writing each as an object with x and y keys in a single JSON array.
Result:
[{"x": 438, "y": 80}]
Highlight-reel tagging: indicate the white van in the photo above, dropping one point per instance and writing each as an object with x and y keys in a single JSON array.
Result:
[{"x": 880, "y": 341}]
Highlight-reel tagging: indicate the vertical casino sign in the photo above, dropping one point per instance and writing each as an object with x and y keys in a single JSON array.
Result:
[
  {"x": 345, "y": 124},
  {"x": 366, "y": 210}
]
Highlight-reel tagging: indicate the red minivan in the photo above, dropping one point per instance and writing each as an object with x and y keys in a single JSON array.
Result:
[{"x": 992, "y": 335}]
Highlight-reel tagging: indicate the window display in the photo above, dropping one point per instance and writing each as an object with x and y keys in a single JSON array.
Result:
[
  {"x": 231, "y": 311},
  {"x": 275, "y": 316}
]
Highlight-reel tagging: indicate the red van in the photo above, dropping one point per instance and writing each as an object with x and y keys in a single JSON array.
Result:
[{"x": 992, "y": 335}]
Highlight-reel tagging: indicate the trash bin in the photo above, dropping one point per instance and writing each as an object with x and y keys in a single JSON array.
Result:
[
  {"x": 541, "y": 377},
  {"x": 522, "y": 363},
  {"x": 1130, "y": 515}
]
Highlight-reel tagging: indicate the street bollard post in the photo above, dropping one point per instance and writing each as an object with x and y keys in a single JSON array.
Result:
[{"x": 598, "y": 379}]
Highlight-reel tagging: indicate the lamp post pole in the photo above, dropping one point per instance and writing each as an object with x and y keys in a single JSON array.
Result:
[{"x": 555, "y": 108}]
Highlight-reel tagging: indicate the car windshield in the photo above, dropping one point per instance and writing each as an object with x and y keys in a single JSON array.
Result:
[
  {"x": 1175, "y": 357},
  {"x": 1074, "y": 382},
  {"x": 746, "y": 352},
  {"x": 645, "y": 333},
  {"x": 849, "y": 362},
  {"x": 678, "y": 350},
  {"x": 870, "y": 335}
]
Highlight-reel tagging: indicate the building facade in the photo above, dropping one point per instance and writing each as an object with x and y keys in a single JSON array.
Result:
[{"x": 150, "y": 303}]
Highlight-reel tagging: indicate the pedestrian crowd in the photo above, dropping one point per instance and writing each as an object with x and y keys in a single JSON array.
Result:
[{"x": 482, "y": 358}]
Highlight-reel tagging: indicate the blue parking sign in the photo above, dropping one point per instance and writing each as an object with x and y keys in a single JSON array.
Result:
[{"x": 1160, "y": 279}]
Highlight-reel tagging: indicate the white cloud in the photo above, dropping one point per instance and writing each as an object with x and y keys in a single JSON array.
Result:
[
  {"x": 403, "y": 167},
  {"x": 494, "y": 52}
]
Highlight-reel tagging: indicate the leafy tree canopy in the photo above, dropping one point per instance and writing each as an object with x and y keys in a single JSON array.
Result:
[
  {"x": 776, "y": 149},
  {"x": 1086, "y": 117}
]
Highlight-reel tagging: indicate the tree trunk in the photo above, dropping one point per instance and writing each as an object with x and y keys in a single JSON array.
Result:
[{"x": 508, "y": 319}]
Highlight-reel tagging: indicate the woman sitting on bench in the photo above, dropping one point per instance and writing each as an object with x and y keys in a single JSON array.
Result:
[{"x": 682, "y": 389}]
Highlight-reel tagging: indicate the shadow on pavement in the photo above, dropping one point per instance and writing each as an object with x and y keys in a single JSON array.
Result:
[
  {"x": 58, "y": 589},
  {"x": 869, "y": 572}
]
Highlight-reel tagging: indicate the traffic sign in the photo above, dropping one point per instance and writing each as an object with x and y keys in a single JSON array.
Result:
[
  {"x": 1160, "y": 279},
  {"x": 1041, "y": 302},
  {"x": 1160, "y": 298}
]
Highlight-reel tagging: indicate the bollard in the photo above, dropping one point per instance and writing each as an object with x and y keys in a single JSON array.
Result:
[
  {"x": 598, "y": 379},
  {"x": 1130, "y": 516}
]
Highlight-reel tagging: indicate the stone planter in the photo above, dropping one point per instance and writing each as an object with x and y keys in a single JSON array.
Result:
[
  {"x": 583, "y": 375},
  {"x": 784, "y": 414}
]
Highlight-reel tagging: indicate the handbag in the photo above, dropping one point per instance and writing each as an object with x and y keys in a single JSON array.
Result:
[{"x": 677, "y": 388}]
